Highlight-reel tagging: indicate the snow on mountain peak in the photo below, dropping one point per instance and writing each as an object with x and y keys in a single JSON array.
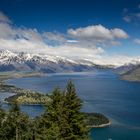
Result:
[{"x": 7, "y": 57}]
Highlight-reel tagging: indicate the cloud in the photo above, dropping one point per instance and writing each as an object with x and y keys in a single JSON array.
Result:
[
  {"x": 81, "y": 43},
  {"x": 97, "y": 34},
  {"x": 42, "y": 48},
  {"x": 127, "y": 18},
  {"x": 4, "y": 18},
  {"x": 55, "y": 36},
  {"x": 6, "y": 31},
  {"x": 137, "y": 41},
  {"x": 119, "y": 33},
  {"x": 32, "y": 41},
  {"x": 132, "y": 15},
  {"x": 116, "y": 60},
  {"x": 91, "y": 32},
  {"x": 29, "y": 34}
]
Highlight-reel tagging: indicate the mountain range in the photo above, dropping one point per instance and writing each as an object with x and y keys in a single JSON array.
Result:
[{"x": 11, "y": 61}]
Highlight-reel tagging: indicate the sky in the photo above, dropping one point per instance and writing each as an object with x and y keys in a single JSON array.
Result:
[{"x": 106, "y": 32}]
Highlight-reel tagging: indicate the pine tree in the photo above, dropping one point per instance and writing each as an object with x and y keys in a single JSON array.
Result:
[
  {"x": 50, "y": 122},
  {"x": 15, "y": 124},
  {"x": 63, "y": 119},
  {"x": 76, "y": 119},
  {"x": 2, "y": 117}
]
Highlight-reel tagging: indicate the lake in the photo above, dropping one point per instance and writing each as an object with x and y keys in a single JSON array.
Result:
[{"x": 101, "y": 92}]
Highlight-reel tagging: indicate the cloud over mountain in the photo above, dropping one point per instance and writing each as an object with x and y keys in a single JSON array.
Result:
[{"x": 85, "y": 42}]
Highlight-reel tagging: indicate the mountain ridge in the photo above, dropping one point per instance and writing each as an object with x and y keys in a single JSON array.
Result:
[
  {"x": 21, "y": 61},
  {"x": 12, "y": 61},
  {"x": 132, "y": 75}
]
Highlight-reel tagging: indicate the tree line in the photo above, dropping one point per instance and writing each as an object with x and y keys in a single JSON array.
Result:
[{"x": 62, "y": 119}]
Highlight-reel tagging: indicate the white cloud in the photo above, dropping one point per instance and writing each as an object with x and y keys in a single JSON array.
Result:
[
  {"x": 29, "y": 34},
  {"x": 32, "y": 41},
  {"x": 119, "y": 33},
  {"x": 98, "y": 34},
  {"x": 81, "y": 43},
  {"x": 137, "y": 41},
  {"x": 116, "y": 60},
  {"x": 6, "y": 31},
  {"x": 42, "y": 48},
  {"x": 115, "y": 43},
  {"x": 55, "y": 36}
]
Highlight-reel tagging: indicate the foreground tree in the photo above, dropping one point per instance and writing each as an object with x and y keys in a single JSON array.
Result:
[
  {"x": 50, "y": 122},
  {"x": 14, "y": 125},
  {"x": 2, "y": 116},
  {"x": 63, "y": 119},
  {"x": 76, "y": 119}
]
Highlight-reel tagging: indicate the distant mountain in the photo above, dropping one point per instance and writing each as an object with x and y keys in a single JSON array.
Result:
[
  {"x": 129, "y": 71},
  {"x": 132, "y": 75},
  {"x": 127, "y": 67},
  {"x": 11, "y": 61},
  {"x": 124, "y": 68}
]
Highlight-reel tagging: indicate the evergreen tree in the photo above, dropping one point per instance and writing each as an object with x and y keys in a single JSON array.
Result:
[
  {"x": 2, "y": 117},
  {"x": 15, "y": 124},
  {"x": 76, "y": 119},
  {"x": 63, "y": 119},
  {"x": 51, "y": 120}
]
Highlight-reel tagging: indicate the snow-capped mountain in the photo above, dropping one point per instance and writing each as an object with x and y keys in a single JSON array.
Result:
[
  {"x": 11, "y": 61},
  {"x": 127, "y": 66}
]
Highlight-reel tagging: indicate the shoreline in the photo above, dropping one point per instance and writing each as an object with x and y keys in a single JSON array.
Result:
[
  {"x": 101, "y": 125},
  {"x": 20, "y": 92},
  {"x": 129, "y": 79}
]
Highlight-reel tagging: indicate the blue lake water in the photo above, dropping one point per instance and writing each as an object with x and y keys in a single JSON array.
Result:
[{"x": 101, "y": 92}]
